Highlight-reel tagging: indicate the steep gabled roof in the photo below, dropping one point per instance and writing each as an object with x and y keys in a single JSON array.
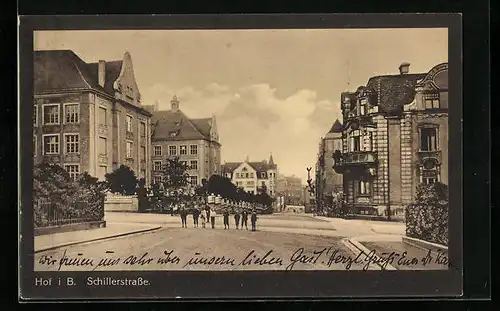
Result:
[
  {"x": 113, "y": 69},
  {"x": 63, "y": 70},
  {"x": 166, "y": 123},
  {"x": 336, "y": 127},
  {"x": 259, "y": 167}
]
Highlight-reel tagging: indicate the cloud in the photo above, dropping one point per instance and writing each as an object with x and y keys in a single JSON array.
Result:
[{"x": 254, "y": 122}]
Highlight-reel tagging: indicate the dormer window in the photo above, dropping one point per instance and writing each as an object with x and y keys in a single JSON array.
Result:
[
  {"x": 431, "y": 101},
  {"x": 363, "y": 106}
]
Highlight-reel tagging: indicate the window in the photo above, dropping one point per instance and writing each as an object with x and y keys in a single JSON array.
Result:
[
  {"x": 363, "y": 105},
  {"x": 246, "y": 175},
  {"x": 157, "y": 150},
  {"x": 71, "y": 113},
  {"x": 194, "y": 165},
  {"x": 237, "y": 175},
  {"x": 35, "y": 115},
  {"x": 73, "y": 170},
  {"x": 157, "y": 179},
  {"x": 129, "y": 149},
  {"x": 263, "y": 175},
  {"x": 251, "y": 175},
  {"x": 368, "y": 142},
  {"x": 34, "y": 146},
  {"x": 129, "y": 123},
  {"x": 102, "y": 146},
  {"x": 364, "y": 187},
  {"x": 103, "y": 116},
  {"x": 429, "y": 177},
  {"x": 51, "y": 144},
  {"x": 431, "y": 101},
  {"x": 430, "y": 172},
  {"x": 428, "y": 139},
  {"x": 143, "y": 153},
  {"x": 184, "y": 164},
  {"x": 194, "y": 149},
  {"x": 72, "y": 143},
  {"x": 172, "y": 150},
  {"x": 194, "y": 180},
  {"x": 183, "y": 150},
  {"x": 142, "y": 129},
  {"x": 156, "y": 165},
  {"x": 355, "y": 142},
  {"x": 51, "y": 114}
]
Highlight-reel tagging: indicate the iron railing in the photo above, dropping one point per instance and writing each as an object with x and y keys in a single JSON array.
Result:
[{"x": 49, "y": 214}]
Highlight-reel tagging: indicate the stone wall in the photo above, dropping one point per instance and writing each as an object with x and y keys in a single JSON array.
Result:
[{"x": 118, "y": 203}]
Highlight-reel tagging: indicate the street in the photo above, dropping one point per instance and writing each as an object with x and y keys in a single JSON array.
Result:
[{"x": 281, "y": 242}]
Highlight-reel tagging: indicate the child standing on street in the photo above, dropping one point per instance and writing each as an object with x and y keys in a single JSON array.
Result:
[
  {"x": 203, "y": 216},
  {"x": 237, "y": 218},
  {"x": 244, "y": 218},
  {"x": 226, "y": 218},
  {"x": 183, "y": 214},
  {"x": 254, "y": 220},
  {"x": 212, "y": 217},
  {"x": 196, "y": 214}
]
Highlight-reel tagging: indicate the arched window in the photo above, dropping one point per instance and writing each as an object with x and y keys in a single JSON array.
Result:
[{"x": 429, "y": 172}]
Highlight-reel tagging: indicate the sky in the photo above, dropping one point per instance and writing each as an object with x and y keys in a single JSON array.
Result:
[{"x": 272, "y": 91}]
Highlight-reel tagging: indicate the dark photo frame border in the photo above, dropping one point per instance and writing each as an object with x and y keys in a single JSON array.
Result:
[{"x": 251, "y": 284}]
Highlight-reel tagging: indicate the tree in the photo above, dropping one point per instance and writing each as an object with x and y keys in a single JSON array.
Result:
[
  {"x": 122, "y": 181},
  {"x": 51, "y": 181},
  {"x": 175, "y": 175}
]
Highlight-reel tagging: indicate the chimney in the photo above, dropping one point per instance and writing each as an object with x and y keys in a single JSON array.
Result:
[
  {"x": 404, "y": 68},
  {"x": 101, "y": 72}
]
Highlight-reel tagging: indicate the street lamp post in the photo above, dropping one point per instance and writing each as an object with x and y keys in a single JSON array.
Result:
[{"x": 310, "y": 185}]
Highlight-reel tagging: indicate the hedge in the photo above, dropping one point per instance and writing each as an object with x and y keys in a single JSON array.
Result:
[{"x": 428, "y": 222}]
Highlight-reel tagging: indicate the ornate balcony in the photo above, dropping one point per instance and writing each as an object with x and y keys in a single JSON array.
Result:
[
  {"x": 424, "y": 155},
  {"x": 361, "y": 159}
]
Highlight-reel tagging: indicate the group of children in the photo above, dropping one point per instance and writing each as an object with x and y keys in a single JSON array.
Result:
[{"x": 208, "y": 215}]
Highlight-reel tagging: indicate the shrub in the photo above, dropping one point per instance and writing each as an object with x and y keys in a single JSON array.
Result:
[
  {"x": 427, "y": 219},
  {"x": 56, "y": 194},
  {"x": 122, "y": 181}
]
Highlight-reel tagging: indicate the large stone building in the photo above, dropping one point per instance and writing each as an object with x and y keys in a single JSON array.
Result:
[
  {"x": 290, "y": 188},
  {"x": 194, "y": 141},
  {"x": 328, "y": 181},
  {"x": 88, "y": 116},
  {"x": 395, "y": 137},
  {"x": 253, "y": 177}
]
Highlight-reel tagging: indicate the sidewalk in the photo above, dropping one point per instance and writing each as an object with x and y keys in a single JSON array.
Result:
[
  {"x": 405, "y": 257},
  {"x": 52, "y": 241}
]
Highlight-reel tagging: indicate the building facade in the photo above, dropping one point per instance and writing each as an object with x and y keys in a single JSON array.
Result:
[
  {"x": 88, "y": 116},
  {"x": 253, "y": 177},
  {"x": 291, "y": 189},
  {"x": 194, "y": 141},
  {"x": 395, "y": 137},
  {"x": 329, "y": 181}
]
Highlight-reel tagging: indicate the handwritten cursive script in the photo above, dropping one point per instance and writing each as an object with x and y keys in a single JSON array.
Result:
[{"x": 321, "y": 259}]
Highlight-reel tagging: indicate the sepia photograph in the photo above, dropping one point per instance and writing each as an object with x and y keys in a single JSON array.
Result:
[{"x": 251, "y": 149}]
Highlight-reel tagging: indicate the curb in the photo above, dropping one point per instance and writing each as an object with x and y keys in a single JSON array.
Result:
[
  {"x": 95, "y": 239},
  {"x": 361, "y": 248},
  {"x": 424, "y": 245}
]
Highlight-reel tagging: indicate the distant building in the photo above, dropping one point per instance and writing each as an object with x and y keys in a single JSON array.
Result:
[
  {"x": 395, "y": 137},
  {"x": 290, "y": 188},
  {"x": 329, "y": 181},
  {"x": 253, "y": 177},
  {"x": 194, "y": 141},
  {"x": 88, "y": 116}
]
